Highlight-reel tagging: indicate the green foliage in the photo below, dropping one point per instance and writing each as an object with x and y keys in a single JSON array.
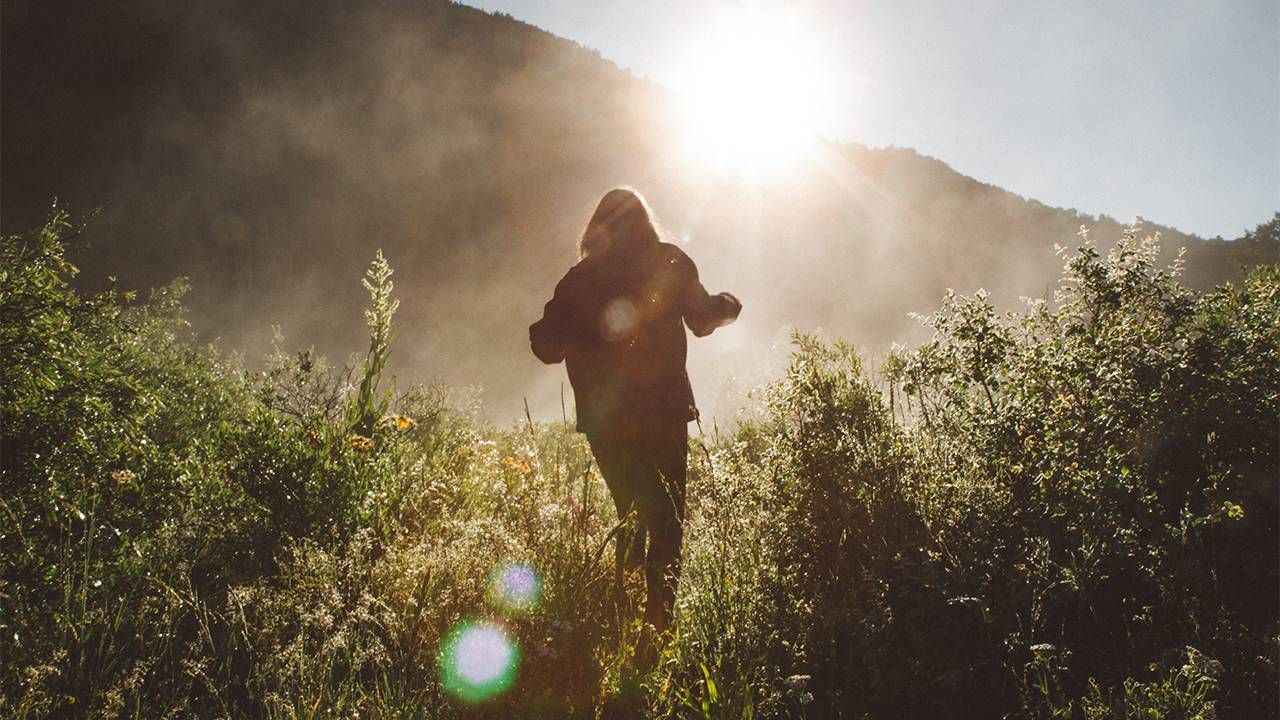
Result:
[
  {"x": 1181, "y": 694},
  {"x": 1050, "y": 510},
  {"x": 110, "y": 422},
  {"x": 367, "y": 406},
  {"x": 1125, "y": 443},
  {"x": 1064, "y": 513}
]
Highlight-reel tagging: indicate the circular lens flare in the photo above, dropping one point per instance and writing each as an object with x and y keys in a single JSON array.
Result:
[
  {"x": 619, "y": 319},
  {"x": 478, "y": 661},
  {"x": 515, "y": 587}
]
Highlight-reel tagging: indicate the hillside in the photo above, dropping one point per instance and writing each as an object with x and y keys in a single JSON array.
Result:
[{"x": 265, "y": 153}]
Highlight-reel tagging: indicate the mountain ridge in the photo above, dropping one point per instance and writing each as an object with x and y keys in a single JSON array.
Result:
[{"x": 265, "y": 152}]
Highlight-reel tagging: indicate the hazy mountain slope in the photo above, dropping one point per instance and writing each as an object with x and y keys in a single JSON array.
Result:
[{"x": 265, "y": 152}]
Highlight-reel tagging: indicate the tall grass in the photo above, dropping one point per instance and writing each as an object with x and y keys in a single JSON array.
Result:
[{"x": 1068, "y": 512}]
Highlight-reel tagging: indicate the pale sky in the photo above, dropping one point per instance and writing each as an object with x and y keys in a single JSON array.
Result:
[{"x": 1169, "y": 109}]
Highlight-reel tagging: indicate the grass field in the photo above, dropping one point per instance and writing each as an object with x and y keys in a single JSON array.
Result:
[{"x": 1070, "y": 512}]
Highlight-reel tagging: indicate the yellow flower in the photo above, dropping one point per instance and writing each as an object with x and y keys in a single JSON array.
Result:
[
  {"x": 517, "y": 464},
  {"x": 1234, "y": 511},
  {"x": 404, "y": 422},
  {"x": 360, "y": 442}
]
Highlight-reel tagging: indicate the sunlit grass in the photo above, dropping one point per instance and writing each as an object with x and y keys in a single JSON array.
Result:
[{"x": 191, "y": 538}]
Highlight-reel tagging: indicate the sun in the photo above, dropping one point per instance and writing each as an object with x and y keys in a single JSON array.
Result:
[{"x": 754, "y": 93}]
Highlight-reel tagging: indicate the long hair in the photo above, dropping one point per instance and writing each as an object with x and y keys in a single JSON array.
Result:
[{"x": 622, "y": 222}]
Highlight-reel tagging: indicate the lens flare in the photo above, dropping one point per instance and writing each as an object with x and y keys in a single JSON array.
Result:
[
  {"x": 478, "y": 661},
  {"x": 619, "y": 319},
  {"x": 515, "y": 587}
]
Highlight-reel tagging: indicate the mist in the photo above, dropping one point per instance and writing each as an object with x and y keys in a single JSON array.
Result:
[{"x": 266, "y": 153}]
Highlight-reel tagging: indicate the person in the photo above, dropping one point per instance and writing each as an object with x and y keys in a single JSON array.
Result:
[{"x": 615, "y": 320}]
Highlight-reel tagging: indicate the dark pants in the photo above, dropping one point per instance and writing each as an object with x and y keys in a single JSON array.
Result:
[{"x": 646, "y": 474}]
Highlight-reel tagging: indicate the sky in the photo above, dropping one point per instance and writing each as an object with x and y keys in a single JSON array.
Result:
[{"x": 1168, "y": 109}]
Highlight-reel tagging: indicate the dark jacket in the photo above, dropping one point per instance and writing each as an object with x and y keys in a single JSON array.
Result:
[{"x": 616, "y": 322}]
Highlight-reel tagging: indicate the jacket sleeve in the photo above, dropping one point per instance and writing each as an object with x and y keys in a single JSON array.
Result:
[
  {"x": 550, "y": 336},
  {"x": 704, "y": 312}
]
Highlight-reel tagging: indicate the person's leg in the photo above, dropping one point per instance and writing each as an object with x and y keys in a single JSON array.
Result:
[
  {"x": 664, "y": 504},
  {"x": 617, "y": 465}
]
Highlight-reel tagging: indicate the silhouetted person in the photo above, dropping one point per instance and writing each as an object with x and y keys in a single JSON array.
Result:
[{"x": 615, "y": 320}]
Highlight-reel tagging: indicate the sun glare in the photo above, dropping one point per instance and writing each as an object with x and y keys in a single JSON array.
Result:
[{"x": 754, "y": 93}]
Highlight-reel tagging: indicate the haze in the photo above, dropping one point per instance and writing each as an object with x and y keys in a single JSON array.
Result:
[
  {"x": 1166, "y": 109},
  {"x": 265, "y": 151}
]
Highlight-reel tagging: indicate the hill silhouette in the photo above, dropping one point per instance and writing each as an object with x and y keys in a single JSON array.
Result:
[{"x": 266, "y": 151}]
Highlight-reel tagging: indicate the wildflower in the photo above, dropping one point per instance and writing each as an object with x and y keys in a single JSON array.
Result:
[
  {"x": 360, "y": 442},
  {"x": 518, "y": 464},
  {"x": 1198, "y": 662},
  {"x": 123, "y": 477},
  {"x": 1233, "y": 511},
  {"x": 399, "y": 422},
  {"x": 1044, "y": 648},
  {"x": 795, "y": 682}
]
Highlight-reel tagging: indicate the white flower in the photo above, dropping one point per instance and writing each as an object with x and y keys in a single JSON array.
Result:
[{"x": 795, "y": 682}]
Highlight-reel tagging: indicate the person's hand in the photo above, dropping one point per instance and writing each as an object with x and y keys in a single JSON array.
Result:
[
  {"x": 732, "y": 307},
  {"x": 544, "y": 345}
]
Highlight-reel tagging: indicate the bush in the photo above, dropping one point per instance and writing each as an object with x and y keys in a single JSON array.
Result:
[
  {"x": 1049, "y": 511},
  {"x": 118, "y": 514},
  {"x": 1126, "y": 440},
  {"x": 185, "y": 536},
  {"x": 1068, "y": 512}
]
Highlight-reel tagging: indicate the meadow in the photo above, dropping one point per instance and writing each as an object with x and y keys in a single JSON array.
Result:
[{"x": 1065, "y": 512}]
